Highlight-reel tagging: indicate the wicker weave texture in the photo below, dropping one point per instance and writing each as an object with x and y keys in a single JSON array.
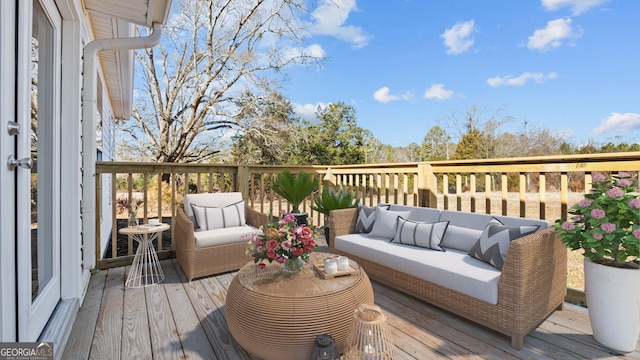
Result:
[
  {"x": 197, "y": 262},
  {"x": 369, "y": 335},
  {"x": 532, "y": 285},
  {"x": 278, "y": 316}
]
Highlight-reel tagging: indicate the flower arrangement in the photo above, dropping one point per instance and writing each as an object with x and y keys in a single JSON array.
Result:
[
  {"x": 131, "y": 206},
  {"x": 282, "y": 240},
  {"x": 606, "y": 223}
]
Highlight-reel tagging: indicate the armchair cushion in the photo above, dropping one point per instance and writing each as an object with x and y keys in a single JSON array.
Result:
[
  {"x": 228, "y": 235},
  {"x": 209, "y": 218}
]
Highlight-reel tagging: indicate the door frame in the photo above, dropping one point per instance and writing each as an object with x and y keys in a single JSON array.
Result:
[
  {"x": 34, "y": 315},
  {"x": 8, "y": 304}
]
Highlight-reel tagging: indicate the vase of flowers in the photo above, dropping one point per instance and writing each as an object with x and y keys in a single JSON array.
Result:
[
  {"x": 132, "y": 208},
  {"x": 605, "y": 225},
  {"x": 283, "y": 241}
]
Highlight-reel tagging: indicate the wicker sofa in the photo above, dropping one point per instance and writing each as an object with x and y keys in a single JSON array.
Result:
[
  {"x": 530, "y": 286},
  {"x": 206, "y": 252}
]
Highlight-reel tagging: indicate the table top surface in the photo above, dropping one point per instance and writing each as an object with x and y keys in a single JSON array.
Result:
[
  {"x": 144, "y": 229},
  {"x": 272, "y": 281}
]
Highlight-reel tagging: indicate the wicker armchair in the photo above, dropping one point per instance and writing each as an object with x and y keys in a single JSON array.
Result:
[
  {"x": 532, "y": 285},
  {"x": 197, "y": 262}
]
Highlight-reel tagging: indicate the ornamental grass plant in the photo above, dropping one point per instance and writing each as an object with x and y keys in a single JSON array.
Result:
[{"x": 606, "y": 222}]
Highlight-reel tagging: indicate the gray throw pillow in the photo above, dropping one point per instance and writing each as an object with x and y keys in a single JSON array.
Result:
[
  {"x": 426, "y": 235},
  {"x": 386, "y": 221},
  {"x": 495, "y": 239},
  {"x": 366, "y": 218},
  {"x": 209, "y": 218}
]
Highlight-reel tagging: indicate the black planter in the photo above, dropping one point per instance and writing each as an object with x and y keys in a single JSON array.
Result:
[
  {"x": 327, "y": 234},
  {"x": 301, "y": 218}
]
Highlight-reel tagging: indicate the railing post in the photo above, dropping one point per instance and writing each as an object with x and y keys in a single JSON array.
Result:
[
  {"x": 426, "y": 186},
  {"x": 327, "y": 180},
  {"x": 243, "y": 182}
]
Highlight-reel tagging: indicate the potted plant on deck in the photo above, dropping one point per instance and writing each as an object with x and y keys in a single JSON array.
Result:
[
  {"x": 606, "y": 226},
  {"x": 332, "y": 199},
  {"x": 295, "y": 188}
]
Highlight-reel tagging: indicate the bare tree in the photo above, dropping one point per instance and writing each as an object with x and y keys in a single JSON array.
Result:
[{"x": 212, "y": 54}]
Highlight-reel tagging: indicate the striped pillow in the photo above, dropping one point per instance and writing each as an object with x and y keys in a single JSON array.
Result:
[
  {"x": 209, "y": 218},
  {"x": 426, "y": 235}
]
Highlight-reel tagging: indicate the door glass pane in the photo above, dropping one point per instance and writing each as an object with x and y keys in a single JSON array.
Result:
[{"x": 42, "y": 43}]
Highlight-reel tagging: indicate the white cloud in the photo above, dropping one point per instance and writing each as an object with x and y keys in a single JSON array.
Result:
[
  {"x": 438, "y": 92},
  {"x": 618, "y": 122},
  {"x": 330, "y": 17},
  {"x": 577, "y": 6},
  {"x": 308, "y": 111},
  {"x": 552, "y": 35},
  {"x": 458, "y": 38},
  {"x": 383, "y": 95},
  {"x": 522, "y": 79},
  {"x": 313, "y": 50}
]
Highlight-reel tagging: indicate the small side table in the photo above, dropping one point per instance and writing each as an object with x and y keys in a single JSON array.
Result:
[{"x": 145, "y": 269}]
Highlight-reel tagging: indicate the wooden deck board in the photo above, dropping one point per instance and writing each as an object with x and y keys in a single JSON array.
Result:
[
  {"x": 178, "y": 319},
  {"x": 191, "y": 336},
  {"x": 136, "y": 340},
  {"x": 107, "y": 340},
  {"x": 84, "y": 327},
  {"x": 162, "y": 323}
]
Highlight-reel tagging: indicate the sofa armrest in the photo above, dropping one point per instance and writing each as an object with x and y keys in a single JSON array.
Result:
[
  {"x": 535, "y": 266},
  {"x": 341, "y": 222},
  {"x": 255, "y": 217}
]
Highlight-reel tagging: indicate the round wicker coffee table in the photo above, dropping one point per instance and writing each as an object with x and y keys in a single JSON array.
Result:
[{"x": 275, "y": 315}]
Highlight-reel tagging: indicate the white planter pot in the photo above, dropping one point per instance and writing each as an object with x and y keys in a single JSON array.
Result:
[{"x": 613, "y": 298}]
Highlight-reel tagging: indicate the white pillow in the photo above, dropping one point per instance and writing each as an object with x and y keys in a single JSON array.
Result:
[
  {"x": 426, "y": 235},
  {"x": 209, "y": 218},
  {"x": 386, "y": 221}
]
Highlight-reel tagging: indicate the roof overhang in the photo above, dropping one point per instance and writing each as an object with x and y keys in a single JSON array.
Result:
[{"x": 117, "y": 19}]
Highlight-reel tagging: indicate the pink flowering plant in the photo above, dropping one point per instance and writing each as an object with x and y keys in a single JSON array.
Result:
[
  {"x": 281, "y": 240},
  {"x": 606, "y": 223}
]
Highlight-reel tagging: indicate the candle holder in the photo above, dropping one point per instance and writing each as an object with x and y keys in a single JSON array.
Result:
[
  {"x": 369, "y": 337},
  {"x": 324, "y": 348}
]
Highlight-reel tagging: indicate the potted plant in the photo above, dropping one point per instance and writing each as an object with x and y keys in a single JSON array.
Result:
[
  {"x": 295, "y": 188},
  {"x": 332, "y": 199},
  {"x": 606, "y": 226}
]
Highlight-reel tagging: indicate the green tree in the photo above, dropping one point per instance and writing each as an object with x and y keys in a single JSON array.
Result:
[
  {"x": 470, "y": 145},
  {"x": 335, "y": 140},
  {"x": 436, "y": 145},
  {"x": 268, "y": 127}
]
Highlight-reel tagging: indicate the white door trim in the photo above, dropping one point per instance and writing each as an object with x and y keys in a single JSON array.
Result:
[
  {"x": 8, "y": 305},
  {"x": 33, "y": 315}
]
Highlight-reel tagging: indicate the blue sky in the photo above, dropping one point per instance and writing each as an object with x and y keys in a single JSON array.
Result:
[{"x": 571, "y": 66}]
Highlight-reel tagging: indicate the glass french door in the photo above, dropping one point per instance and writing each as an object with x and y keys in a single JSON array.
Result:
[{"x": 37, "y": 165}]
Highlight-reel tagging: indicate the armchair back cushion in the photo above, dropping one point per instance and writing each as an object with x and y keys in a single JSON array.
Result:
[
  {"x": 218, "y": 200},
  {"x": 209, "y": 218}
]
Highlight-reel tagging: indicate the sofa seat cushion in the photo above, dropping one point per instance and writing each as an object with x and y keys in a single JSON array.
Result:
[
  {"x": 452, "y": 269},
  {"x": 230, "y": 235}
]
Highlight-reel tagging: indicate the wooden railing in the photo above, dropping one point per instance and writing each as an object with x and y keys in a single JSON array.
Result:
[{"x": 536, "y": 187}]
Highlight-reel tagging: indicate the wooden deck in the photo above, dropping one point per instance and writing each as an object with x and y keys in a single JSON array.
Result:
[{"x": 178, "y": 319}]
